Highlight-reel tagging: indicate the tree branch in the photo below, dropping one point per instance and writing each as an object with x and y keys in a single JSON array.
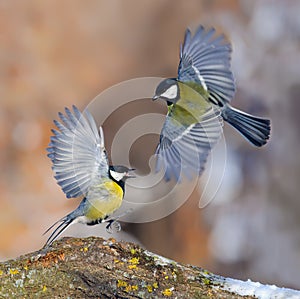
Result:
[{"x": 97, "y": 268}]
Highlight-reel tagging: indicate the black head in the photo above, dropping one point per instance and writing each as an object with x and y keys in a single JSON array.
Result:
[
  {"x": 167, "y": 90},
  {"x": 120, "y": 173}
]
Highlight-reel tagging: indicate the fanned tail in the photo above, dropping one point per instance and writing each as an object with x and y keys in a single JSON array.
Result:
[{"x": 254, "y": 129}]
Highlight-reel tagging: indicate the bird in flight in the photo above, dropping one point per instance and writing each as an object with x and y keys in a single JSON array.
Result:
[
  {"x": 81, "y": 169},
  {"x": 198, "y": 101}
]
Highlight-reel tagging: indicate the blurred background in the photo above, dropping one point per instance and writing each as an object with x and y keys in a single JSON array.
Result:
[{"x": 54, "y": 54}]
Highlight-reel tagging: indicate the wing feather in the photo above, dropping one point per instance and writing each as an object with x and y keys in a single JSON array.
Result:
[
  {"x": 77, "y": 152},
  {"x": 186, "y": 154},
  {"x": 206, "y": 59}
]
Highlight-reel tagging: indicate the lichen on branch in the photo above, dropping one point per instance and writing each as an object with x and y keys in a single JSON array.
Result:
[{"x": 98, "y": 268}]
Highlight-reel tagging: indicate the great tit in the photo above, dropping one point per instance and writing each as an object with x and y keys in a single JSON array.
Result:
[
  {"x": 198, "y": 102},
  {"x": 81, "y": 169}
]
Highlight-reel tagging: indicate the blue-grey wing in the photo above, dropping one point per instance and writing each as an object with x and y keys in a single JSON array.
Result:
[
  {"x": 77, "y": 152},
  {"x": 206, "y": 60},
  {"x": 184, "y": 150}
]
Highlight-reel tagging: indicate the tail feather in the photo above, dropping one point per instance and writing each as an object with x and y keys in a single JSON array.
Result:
[
  {"x": 64, "y": 223},
  {"x": 253, "y": 128}
]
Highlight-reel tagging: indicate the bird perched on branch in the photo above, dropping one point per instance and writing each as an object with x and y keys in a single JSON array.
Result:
[
  {"x": 198, "y": 101},
  {"x": 81, "y": 168}
]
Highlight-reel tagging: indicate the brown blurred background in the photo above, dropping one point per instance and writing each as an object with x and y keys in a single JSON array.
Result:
[{"x": 56, "y": 53}]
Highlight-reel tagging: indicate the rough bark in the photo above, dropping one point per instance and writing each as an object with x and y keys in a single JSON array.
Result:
[{"x": 97, "y": 268}]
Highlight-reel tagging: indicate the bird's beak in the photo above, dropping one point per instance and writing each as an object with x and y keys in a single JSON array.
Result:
[
  {"x": 155, "y": 97},
  {"x": 129, "y": 174}
]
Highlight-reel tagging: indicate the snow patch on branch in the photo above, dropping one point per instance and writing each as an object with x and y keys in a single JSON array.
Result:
[
  {"x": 159, "y": 260},
  {"x": 261, "y": 291}
]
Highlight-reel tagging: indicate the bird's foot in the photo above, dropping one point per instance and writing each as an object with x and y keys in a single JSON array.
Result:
[{"x": 113, "y": 226}]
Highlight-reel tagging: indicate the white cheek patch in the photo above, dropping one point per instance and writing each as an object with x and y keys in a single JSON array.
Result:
[
  {"x": 170, "y": 93},
  {"x": 117, "y": 175}
]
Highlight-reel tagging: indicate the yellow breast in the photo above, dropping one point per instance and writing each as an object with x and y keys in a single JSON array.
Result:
[
  {"x": 104, "y": 199},
  {"x": 193, "y": 101}
]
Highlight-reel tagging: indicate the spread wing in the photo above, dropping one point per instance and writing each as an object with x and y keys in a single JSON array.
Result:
[
  {"x": 77, "y": 152},
  {"x": 184, "y": 149},
  {"x": 205, "y": 59}
]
